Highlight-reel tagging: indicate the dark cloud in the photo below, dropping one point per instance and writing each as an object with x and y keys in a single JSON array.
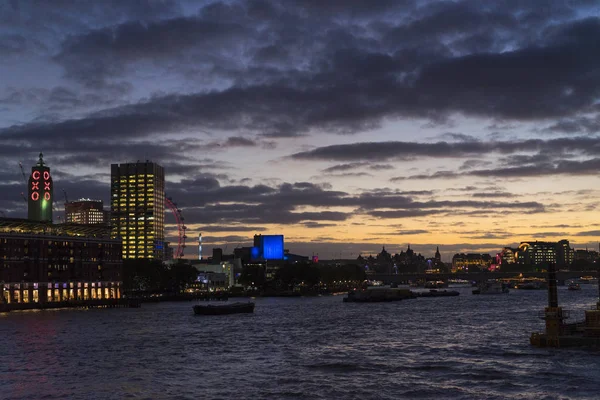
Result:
[
  {"x": 487, "y": 235},
  {"x": 231, "y": 228},
  {"x": 576, "y": 125},
  {"x": 349, "y": 175},
  {"x": 344, "y": 167},
  {"x": 236, "y": 141},
  {"x": 410, "y": 232},
  {"x": 381, "y": 167},
  {"x": 588, "y": 233},
  {"x": 379, "y": 71},
  {"x": 557, "y": 167},
  {"x": 393, "y": 150},
  {"x": 494, "y": 195},
  {"x": 172, "y": 81},
  {"x": 313, "y": 224}
]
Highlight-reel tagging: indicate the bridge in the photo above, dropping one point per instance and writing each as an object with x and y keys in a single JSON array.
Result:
[{"x": 474, "y": 276}]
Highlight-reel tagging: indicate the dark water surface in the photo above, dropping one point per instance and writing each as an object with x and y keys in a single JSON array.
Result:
[{"x": 299, "y": 348}]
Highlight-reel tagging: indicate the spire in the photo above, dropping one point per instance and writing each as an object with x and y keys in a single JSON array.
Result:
[{"x": 41, "y": 160}]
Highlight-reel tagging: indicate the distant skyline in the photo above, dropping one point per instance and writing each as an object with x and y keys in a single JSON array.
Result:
[{"x": 346, "y": 125}]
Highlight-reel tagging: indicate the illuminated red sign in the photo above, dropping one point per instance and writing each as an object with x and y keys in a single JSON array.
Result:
[{"x": 44, "y": 179}]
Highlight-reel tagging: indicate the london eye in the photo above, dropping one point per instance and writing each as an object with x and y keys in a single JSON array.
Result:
[{"x": 181, "y": 228}]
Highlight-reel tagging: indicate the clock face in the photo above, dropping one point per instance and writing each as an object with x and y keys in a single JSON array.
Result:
[{"x": 41, "y": 185}]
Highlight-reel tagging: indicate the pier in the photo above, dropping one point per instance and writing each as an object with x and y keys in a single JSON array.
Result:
[
  {"x": 97, "y": 303},
  {"x": 560, "y": 334}
]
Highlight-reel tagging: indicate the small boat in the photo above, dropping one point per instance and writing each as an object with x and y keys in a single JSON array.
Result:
[
  {"x": 574, "y": 286},
  {"x": 223, "y": 309},
  {"x": 532, "y": 285},
  {"x": 588, "y": 279},
  {"x": 435, "y": 284}
]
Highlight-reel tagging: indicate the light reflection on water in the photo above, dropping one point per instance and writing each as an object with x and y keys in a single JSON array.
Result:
[{"x": 453, "y": 347}]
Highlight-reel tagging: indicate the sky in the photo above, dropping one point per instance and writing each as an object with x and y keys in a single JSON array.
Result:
[{"x": 346, "y": 125}]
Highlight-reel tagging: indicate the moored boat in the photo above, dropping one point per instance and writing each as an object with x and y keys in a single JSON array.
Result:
[
  {"x": 435, "y": 284},
  {"x": 438, "y": 293},
  {"x": 223, "y": 309},
  {"x": 490, "y": 288},
  {"x": 374, "y": 295},
  {"x": 587, "y": 280},
  {"x": 532, "y": 285},
  {"x": 574, "y": 286}
]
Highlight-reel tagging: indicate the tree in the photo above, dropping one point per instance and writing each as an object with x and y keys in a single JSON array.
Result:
[
  {"x": 181, "y": 275},
  {"x": 253, "y": 275}
]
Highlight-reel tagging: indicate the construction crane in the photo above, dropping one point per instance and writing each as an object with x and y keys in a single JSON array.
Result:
[
  {"x": 24, "y": 180},
  {"x": 23, "y": 172},
  {"x": 66, "y": 202}
]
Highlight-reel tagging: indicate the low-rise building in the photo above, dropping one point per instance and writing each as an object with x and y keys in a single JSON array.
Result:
[
  {"x": 41, "y": 262},
  {"x": 85, "y": 211},
  {"x": 466, "y": 261},
  {"x": 543, "y": 253}
]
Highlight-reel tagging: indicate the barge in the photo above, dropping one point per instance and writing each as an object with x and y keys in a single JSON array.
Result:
[
  {"x": 224, "y": 309},
  {"x": 378, "y": 294},
  {"x": 438, "y": 293}
]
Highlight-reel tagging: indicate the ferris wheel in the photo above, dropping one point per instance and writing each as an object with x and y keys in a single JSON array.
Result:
[{"x": 181, "y": 228}]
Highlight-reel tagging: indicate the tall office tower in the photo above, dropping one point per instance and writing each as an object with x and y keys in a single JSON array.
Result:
[
  {"x": 138, "y": 208},
  {"x": 85, "y": 211},
  {"x": 39, "y": 200}
]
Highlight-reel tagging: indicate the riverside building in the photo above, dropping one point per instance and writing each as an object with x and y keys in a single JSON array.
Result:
[
  {"x": 543, "y": 253},
  {"x": 462, "y": 261},
  {"x": 138, "y": 208},
  {"x": 53, "y": 265},
  {"x": 42, "y": 263},
  {"x": 85, "y": 211}
]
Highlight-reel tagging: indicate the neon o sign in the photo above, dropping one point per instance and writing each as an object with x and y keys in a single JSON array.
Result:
[
  {"x": 46, "y": 196},
  {"x": 35, "y": 196}
]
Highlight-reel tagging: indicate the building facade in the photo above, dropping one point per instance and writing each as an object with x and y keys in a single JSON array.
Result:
[
  {"x": 138, "y": 208},
  {"x": 462, "y": 261},
  {"x": 41, "y": 263},
  {"x": 543, "y": 253},
  {"x": 85, "y": 211},
  {"x": 40, "y": 192}
]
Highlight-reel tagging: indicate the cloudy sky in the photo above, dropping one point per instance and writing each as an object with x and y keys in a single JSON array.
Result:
[{"x": 344, "y": 124}]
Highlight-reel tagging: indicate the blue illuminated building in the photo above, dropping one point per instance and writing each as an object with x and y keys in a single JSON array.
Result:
[{"x": 267, "y": 247}]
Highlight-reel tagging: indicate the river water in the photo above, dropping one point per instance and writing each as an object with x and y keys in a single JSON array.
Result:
[{"x": 465, "y": 347}]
